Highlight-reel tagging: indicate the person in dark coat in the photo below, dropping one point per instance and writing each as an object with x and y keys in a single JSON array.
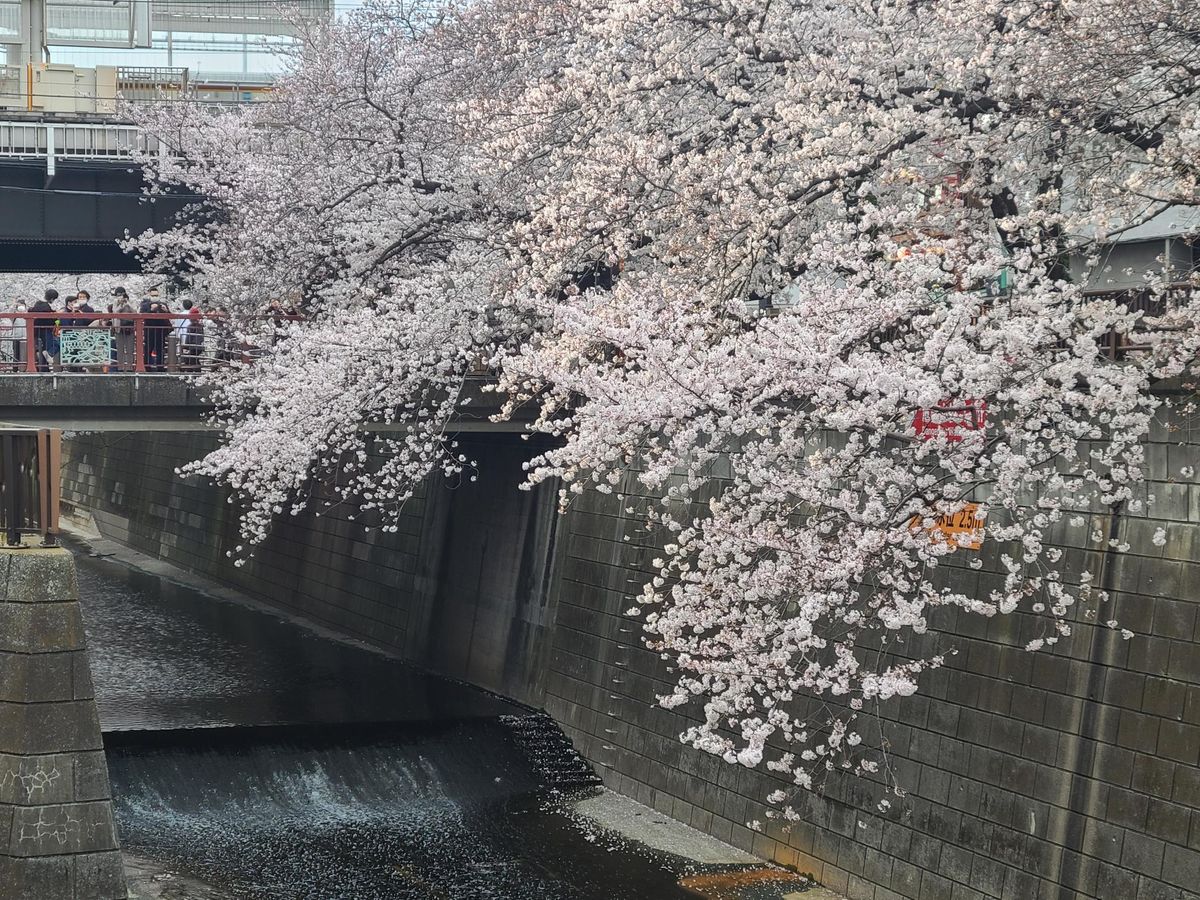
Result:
[
  {"x": 68, "y": 319},
  {"x": 45, "y": 333},
  {"x": 126, "y": 348},
  {"x": 83, "y": 308},
  {"x": 156, "y": 330}
]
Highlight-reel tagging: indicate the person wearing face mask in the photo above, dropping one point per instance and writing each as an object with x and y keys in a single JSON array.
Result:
[
  {"x": 156, "y": 331},
  {"x": 45, "y": 333},
  {"x": 69, "y": 320},
  {"x": 16, "y": 337},
  {"x": 126, "y": 350},
  {"x": 83, "y": 308}
]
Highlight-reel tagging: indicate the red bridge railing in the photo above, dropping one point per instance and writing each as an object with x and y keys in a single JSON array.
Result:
[{"x": 44, "y": 342}]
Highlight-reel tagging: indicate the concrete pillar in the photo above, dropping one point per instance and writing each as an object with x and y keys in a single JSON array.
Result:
[
  {"x": 58, "y": 840},
  {"x": 33, "y": 31}
]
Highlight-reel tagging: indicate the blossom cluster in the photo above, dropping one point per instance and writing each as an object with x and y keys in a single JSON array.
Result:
[{"x": 741, "y": 255}]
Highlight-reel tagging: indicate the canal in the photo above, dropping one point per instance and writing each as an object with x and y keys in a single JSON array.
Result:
[{"x": 268, "y": 761}]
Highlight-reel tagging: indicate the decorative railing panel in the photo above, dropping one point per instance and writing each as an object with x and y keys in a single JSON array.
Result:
[{"x": 85, "y": 347}]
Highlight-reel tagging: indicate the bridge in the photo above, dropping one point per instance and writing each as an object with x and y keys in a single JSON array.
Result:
[
  {"x": 71, "y": 191},
  {"x": 123, "y": 372},
  {"x": 113, "y": 402},
  {"x": 174, "y": 402}
]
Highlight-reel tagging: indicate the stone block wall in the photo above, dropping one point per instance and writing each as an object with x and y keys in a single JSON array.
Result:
[
  {"x": 328, "y": 570},
  {"x": 1058, "y": 775},
  {"x": 57, "y": 835}
]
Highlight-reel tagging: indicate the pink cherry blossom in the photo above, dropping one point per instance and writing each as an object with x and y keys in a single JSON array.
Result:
[{"x": 597, "y": 197}]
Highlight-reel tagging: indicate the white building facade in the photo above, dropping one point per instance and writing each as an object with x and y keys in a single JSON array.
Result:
[{"x": 73, "y": 57}]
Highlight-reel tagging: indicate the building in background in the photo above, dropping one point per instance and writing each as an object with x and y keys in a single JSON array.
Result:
[{"x": 74, "y": 57}]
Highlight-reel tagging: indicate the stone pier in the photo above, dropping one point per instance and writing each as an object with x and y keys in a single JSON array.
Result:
[{"x": 57, "y": 837}]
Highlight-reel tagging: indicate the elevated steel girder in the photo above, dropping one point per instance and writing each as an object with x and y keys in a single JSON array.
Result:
[{"x": 73, "y": 221}]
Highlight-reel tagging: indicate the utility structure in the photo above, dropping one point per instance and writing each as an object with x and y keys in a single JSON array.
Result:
[
  {"x": 30, "y": 82},
  {"x": 224, "y": 50}
]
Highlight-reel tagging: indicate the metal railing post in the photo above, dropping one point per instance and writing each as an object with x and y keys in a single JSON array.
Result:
[
  {"x": 12, "y": 492},
  {"x": 49, "y": 152},
  {"x": 31, "y": 348},
  {"x": 49, "y": 462},
  {"x": 139, "y": 346}
]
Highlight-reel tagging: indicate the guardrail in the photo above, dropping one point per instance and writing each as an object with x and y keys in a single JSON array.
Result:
[
  {"x": 151, "y": 343},
  {"x": 83, "y": 141},
  {"x": 30, "y": 484}
]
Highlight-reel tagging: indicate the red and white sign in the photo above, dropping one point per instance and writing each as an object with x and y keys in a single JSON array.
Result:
[{"x": 951, "y": 419}]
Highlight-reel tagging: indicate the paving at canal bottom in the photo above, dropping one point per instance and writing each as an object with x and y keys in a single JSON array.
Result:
[{"x": 255, "y": 758}]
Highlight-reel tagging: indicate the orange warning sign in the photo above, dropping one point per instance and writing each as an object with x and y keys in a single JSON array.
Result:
[{"x": 962, "y": 530}]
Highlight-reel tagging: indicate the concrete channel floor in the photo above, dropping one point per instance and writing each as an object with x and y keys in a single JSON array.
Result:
[{"x": 634, "y": 821}]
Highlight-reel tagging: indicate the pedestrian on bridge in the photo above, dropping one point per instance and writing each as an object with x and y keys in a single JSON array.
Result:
[
  {"x": 189, "y": 330},
  {"x": 83, "y": 308},
  {"x": 68, "y": 320},
  {"x": 126, "y": 338},
  {"x": 46, "y": 333},
  {"x": 155, "y": 332}
]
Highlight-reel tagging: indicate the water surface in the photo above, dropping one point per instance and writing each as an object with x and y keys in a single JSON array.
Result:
[
  {"x": 277, "y": 764},
  {"x": 166, "y": 656}
]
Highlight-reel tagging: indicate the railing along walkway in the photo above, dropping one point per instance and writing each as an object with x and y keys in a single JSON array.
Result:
[
  {"x": 46, "y": 342},
  {"x": 79, "y": 141}
]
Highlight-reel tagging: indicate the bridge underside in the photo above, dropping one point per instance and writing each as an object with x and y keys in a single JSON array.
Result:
[
  {"x": 71, "y": 221},
  {"x": 80, "y": 402},
  {"x": 120, "y": 403}
]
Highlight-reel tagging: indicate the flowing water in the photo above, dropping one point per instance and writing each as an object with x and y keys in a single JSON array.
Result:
[{"x": 275, "y": 763}]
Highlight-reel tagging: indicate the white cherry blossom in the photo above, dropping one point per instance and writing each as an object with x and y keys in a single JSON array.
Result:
[{"x": 598, "y": 196}]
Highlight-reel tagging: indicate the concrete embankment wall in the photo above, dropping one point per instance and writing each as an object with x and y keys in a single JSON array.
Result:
[
  {"x": 458, "y": 589},
  {"x": 1056, "y": 775}
]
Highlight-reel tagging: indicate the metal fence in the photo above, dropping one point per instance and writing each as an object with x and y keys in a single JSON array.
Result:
[
  {"x": 30, "y": 462},
  {"x": 73, "y": 141}
]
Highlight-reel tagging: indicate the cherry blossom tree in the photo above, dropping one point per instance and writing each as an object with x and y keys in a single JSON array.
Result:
[
  {"x": 28, "y": 288},
  {"x": 868, "y": 169},
  {"x": 815, "y": 273},
  {"x": 350, "y": 200}
]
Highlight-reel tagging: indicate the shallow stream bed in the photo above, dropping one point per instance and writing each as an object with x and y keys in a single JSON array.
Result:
[{"x": 253, "y": 758}]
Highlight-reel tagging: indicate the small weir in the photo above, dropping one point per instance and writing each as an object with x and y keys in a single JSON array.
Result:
[
  {"x": 452, "y": 812},
  {"x": 270, "y": 762}
]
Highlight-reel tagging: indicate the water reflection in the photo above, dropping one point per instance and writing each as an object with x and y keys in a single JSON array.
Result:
[{"x": 165, "y": 656}]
